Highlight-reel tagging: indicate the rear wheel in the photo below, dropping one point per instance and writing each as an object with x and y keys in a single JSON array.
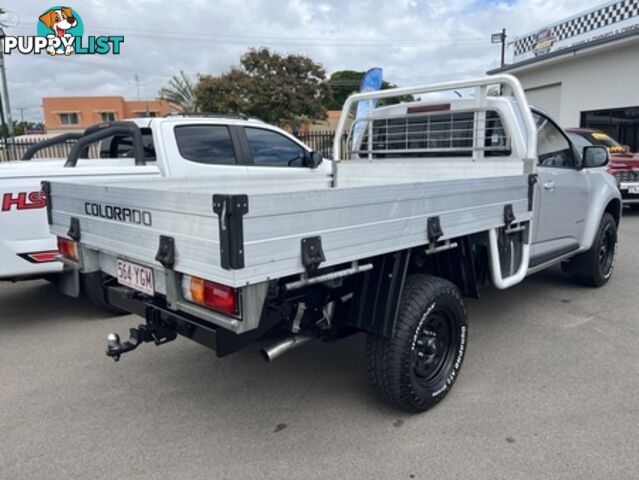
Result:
[
  {"x": 594, "y": 267},
  {"x": 415, "y": 368},
  {"x": 93, "y": 288}
]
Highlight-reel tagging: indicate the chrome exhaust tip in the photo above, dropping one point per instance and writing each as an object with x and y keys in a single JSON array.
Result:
[{"x": 280, "y": 348}]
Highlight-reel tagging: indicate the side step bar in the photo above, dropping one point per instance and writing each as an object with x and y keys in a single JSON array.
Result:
[{"x": 495, "y": 264}]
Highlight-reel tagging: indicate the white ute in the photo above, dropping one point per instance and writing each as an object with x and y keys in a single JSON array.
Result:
[{"x": 174, "y": 146}]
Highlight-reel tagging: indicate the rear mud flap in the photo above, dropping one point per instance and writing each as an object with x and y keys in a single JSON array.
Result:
[{"x": 69, "y": 282}]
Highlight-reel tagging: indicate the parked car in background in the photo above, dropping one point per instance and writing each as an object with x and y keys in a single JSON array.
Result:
[
  {"x": 624, "y": 165},
  {"x": 177, "y": 146}
]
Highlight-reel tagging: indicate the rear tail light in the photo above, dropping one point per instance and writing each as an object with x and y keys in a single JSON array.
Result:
[
  {"x": 41, "y": 257},
  {"x": 68, "y": 248},
  {"x": 210, "y": 294}
]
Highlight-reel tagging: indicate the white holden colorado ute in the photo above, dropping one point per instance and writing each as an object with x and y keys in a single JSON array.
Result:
[
  {"x": 432, "y": 199},
  {"x": 175, "y": 146}
]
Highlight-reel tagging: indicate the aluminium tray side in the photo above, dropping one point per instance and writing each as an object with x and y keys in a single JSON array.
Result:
[{"x": 353, "y": 222}]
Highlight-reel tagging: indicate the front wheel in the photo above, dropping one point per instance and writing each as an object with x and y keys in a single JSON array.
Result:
[
  {"x": 594, "y": 267},
  {"x": 416, "y": 367}
]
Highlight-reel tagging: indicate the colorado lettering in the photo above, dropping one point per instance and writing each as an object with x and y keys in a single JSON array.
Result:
[{"x": 120, "y": 214}]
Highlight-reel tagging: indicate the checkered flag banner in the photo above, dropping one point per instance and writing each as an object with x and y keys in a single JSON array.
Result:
[{"x": 605, "y": 17}]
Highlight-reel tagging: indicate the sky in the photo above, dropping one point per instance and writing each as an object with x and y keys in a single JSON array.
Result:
[{"x": 415, "y": 42}]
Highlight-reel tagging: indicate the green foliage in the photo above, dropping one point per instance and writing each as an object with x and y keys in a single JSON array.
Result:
[
  {"x": 346, "y": 82},
  {"x": 19, "y": 128},
  {"x": 180, "y": 93},
  {"x": 278, "y": 89}
]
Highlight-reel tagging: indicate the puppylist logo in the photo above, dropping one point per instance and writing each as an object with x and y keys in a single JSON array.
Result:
[{"x": 60, "y": 31}]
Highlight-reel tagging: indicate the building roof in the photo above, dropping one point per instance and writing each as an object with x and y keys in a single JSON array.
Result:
[{"x": 534, "y": 62}]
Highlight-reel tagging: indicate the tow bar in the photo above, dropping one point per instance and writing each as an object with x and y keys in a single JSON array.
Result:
[{"x": 143, "y": 334}]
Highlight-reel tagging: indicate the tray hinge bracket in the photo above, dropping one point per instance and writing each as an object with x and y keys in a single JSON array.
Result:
[
  {"x": 509, "y": 214},
  {"x": 532, "y": 180},
  {"x": 230, "y": 210},
  {"x": 166, "y": 252},
  {"x": 434, "y": 229},
  {"x": 74, "y": 229},
  {"x": 312, "y": 253},
  {"x": 46, "y": 188}
]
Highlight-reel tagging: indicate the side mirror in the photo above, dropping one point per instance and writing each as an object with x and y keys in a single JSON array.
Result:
[
  {"x": 313, "y": 159},
  {"x": 595, "y": 156}
]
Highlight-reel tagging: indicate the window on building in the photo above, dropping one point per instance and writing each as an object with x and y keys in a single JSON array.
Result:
[
  {"x": 70, "y": 118},
  {"x": 622, "y": 124},
  {"x": 272, "y": 149},
  {"x": 209, "y": 144},
  {"x": 107, "y": 116}
]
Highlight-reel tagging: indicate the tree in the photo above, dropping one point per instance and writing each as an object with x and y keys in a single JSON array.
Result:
[
  {"x": 347, "y": 82},
  {"x": 19, "y": 128},
  {"x": 180, "y": 93},
  {"x": 278, "y": 89},
  {"x": 228, "y": 93}
]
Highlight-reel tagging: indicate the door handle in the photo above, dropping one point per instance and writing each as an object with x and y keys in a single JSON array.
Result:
[{"x": 550, "y": 186}]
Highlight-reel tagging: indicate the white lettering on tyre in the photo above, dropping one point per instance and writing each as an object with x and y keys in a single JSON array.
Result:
[{"x": 419, "y": 326}]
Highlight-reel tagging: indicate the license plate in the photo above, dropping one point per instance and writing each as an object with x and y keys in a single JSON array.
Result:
[
  {"x": 633, "y": 189},
  {"x": 135, "y": 276}
]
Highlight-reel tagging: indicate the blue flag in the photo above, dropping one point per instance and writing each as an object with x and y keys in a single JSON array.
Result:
[{"x": 372, "y": 81}]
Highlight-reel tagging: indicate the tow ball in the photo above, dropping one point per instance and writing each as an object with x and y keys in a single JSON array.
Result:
[{"x": 143, "y": 334}]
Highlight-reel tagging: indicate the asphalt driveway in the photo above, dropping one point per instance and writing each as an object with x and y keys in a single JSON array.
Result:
[{"x": 549, "y": 390}]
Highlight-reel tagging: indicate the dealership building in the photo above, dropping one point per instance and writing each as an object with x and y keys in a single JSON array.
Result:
[{"x": 584, "y": 70}]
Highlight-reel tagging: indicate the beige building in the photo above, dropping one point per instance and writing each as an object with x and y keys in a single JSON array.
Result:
[
  {"x": 69, "y": 114},
  {"x": 328, "y": 125}
]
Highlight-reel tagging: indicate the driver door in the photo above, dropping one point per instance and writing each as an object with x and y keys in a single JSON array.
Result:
[{"x": 561, "y": 197}]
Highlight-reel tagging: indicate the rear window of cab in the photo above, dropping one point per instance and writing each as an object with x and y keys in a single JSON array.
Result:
[{"x": 209, "y": 144}]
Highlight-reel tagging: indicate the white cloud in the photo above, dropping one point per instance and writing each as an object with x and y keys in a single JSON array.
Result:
[{"x": 415, "y": 41}]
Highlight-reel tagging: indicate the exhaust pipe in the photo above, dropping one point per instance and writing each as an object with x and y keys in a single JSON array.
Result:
[{"x": 271, "y": 353}]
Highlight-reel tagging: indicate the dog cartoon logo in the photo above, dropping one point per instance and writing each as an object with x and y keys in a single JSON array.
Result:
[
  {"x": 60, "y": 31},
  {"x": 65, "y": 25}
]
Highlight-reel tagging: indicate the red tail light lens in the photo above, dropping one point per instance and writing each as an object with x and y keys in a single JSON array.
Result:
[
  {"x": 68, "y": 248},
  {"x": 210, "y": 294},
  {"x": 43, "y": 257}
]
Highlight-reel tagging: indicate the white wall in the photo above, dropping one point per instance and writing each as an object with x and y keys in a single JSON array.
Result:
[
  {"x": 600, "y": 79},
  {"x": 547, "y": 97}
]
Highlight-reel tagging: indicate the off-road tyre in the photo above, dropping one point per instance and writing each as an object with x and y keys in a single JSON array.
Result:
[
  {"x": 595, "y": 267},
  {"x": 416, "y": 367}
]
